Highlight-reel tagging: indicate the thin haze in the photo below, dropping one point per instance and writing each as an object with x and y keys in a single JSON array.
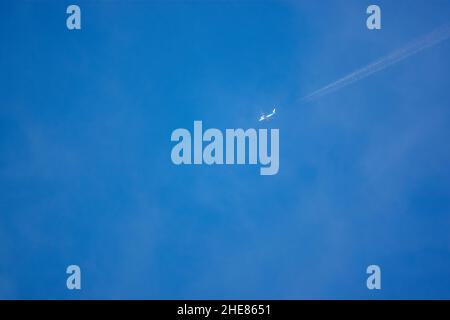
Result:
[{"x": 426, "y": 41}]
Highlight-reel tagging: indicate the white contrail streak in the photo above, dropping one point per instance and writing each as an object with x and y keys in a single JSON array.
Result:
[{"x": 426, "y": 41}]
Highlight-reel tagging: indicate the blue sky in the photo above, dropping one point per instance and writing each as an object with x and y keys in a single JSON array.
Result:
[{"x": 86, "y": 175}]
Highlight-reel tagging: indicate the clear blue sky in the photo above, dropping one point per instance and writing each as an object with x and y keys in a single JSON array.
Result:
[{"x": 86, "y": 176}]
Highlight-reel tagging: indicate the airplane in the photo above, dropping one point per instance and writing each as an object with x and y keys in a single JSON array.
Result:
[{"x": 264, "y": 117}]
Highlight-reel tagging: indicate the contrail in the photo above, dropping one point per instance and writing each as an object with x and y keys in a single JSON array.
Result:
[{"x": 426, "y": 41}]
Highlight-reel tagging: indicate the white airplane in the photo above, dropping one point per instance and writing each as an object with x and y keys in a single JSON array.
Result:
[{"x": 264, "y": 117}]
